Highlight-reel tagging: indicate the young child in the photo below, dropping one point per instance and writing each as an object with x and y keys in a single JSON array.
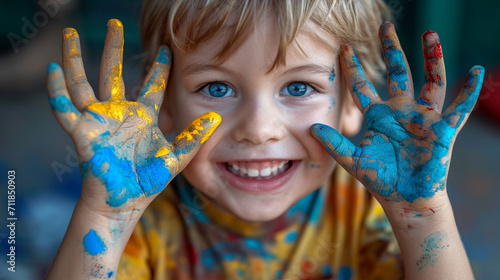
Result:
[{"x": 258, "y": 197}]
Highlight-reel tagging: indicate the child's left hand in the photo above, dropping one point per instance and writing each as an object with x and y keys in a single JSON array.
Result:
[{"x": 406, "y": 151}]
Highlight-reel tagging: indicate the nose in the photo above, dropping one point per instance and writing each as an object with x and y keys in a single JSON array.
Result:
[{"x": 259, "y": 121}]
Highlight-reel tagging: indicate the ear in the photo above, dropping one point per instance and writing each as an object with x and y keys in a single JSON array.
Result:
[{"x": 352, "y": 117}]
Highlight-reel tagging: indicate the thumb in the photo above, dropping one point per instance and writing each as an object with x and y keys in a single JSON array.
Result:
[
  {"x": 189, "y": 141},
  {"x": 337, "y": 145}
]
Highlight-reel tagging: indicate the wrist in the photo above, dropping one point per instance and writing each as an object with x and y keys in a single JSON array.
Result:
[
  {"x": 429, "y": 240},
  {"x": 106, "y": 218},
  {"x": 96, "y": 200},
  {"x": 419, "y": 208}
]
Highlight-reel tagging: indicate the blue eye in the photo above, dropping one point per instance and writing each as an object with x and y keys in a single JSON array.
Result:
[
  {"x": 297, "y": 89},
  {"x": 218, "y": 90}
]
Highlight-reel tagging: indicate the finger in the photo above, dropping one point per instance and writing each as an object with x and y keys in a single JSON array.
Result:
[
  {"x": 434, "y": 88},
  {"x": 81, "y": 91},
  {"x": 364, "y": 94},
  {"x": 458, "y": 112},
  {"x": 65, "y": 112},
  {"x": 188, "y": 142},
  {"x": 110, "y": 74},
  {"x": 337, "y": 145},
  {"x": 153, "y": 89},
  {"x": 398, "y": 76}
]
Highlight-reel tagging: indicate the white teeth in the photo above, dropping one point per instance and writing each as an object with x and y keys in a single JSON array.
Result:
[
  {"x": 253, "y": 172},
  {"x": 265, "y": 173}
]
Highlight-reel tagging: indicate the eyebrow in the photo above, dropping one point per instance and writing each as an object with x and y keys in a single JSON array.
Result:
[
  {"x": 197, "y": 68},
  {"x": 309, "y": 68}
]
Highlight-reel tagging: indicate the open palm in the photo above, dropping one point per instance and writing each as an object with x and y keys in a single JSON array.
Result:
[
  {"x": 406, "y": 150},
  {"x": 122, "y": 152}
]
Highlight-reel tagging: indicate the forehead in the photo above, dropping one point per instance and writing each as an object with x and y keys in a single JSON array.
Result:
[{"x": 261, "y": 41}]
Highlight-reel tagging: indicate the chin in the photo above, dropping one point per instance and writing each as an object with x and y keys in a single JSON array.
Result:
[{"x": 259, "y": 211}]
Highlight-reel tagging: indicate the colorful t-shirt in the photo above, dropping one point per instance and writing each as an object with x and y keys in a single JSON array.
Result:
[{"x": 337, "y": 232}]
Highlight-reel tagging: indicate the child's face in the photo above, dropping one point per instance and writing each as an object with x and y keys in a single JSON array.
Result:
[{"x": 265, "y": 121}]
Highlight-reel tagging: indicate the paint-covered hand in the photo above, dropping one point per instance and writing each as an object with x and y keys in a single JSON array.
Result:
[
  {"x": 125, "y": 159},
  {"x": 406, "y": 151}
]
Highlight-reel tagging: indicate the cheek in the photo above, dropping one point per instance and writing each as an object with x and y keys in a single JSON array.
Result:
[
  {"x": 184, "y": 111},
  {"x": 325, "y": 111}
]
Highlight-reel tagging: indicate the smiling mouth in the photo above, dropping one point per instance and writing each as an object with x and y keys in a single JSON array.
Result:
[{"x": 258, "y": 171}]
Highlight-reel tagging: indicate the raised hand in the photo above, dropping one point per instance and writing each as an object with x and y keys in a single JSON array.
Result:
[
  {"x": 406, "y": 151},
  {"x": 125, "y": 159}
]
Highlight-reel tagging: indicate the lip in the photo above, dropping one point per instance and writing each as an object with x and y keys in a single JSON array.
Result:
[{"x": 258, "y": 186}]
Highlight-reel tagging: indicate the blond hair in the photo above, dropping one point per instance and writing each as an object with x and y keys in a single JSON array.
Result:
[{"x": 353, "y": 22}]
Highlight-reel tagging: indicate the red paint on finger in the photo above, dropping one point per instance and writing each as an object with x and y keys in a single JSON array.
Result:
[
  {"x": 432, "y": 54},
  {"x": 433, "y": 50}
]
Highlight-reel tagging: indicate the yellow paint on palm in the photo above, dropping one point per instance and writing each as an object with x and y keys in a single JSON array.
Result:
[
  {"x": 143, "y": 114},
  {"x": 117, "y": 110},
  {"x": 162, "y": 151}
]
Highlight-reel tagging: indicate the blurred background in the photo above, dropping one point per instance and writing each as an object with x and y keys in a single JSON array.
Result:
[{"x": 47, "y": 173}]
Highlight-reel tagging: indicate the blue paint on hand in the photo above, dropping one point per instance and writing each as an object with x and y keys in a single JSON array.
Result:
[
  {"x": 431, "y": 248},
  {"x": 62, "y": 104},
  {"x": 164, "y": 56},
  {"x": 52, "y": 66},
  {"x": 396, "y": 64},
  {"x": 333, "y": 141},
  {"x": 360, "y": 81},
  {"x": 123, "y": 178},
  {"x": 93, "y": 243},
  {"x": 406, "y": 177},
  {"x": 96, "y": 116}
]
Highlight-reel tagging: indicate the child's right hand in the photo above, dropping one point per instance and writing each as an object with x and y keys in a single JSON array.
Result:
[{"x": 125, "y": 159}]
